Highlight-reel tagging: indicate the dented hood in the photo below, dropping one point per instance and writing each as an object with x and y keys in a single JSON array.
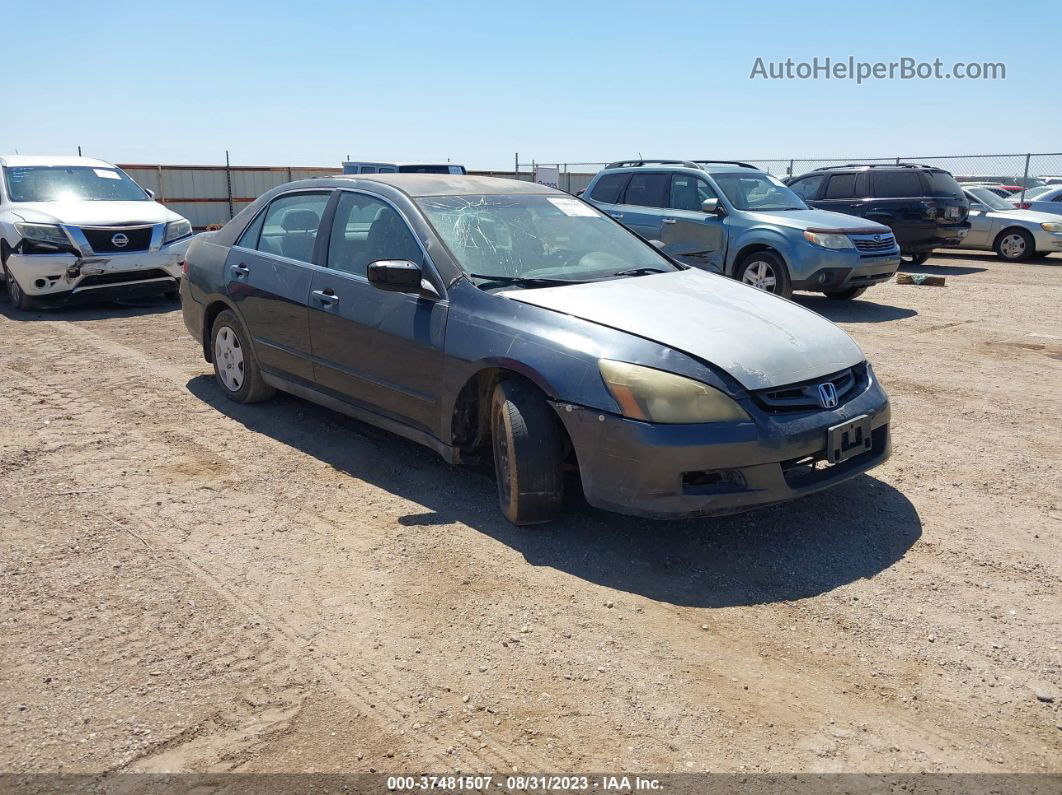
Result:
[{"x": 761, "y": 340}]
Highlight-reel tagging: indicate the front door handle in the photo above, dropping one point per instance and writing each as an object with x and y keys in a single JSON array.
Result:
[
  {"x": 617, "y": 216},
  {"x": 241, "y": 270},
  {"x": 326, "y": 296},
  {"x": 669, "y": 220}
]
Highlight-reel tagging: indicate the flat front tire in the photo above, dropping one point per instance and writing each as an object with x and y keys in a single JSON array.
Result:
[
  {"x": 528, "y": 451},
  {"x": 235, "y": 365},
  {"x": 767, "y": 271}
]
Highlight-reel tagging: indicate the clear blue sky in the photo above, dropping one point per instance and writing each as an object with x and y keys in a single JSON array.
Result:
[{"x": 306, "y": 83}]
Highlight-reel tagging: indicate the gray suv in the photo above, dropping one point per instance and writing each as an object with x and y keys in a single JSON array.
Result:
[{"x": 732, "y": 218}]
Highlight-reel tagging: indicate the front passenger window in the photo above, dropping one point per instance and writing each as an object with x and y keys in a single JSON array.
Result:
[
  {"x": 366, "y": 229},
  {"x": 689, "y": 192},
  {"x": 290, "y": 226}
]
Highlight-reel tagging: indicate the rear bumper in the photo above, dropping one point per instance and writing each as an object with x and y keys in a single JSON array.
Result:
[
  {"x": 60, "y": 278},
  {"x": 922, "y": 238},
  {"x": 676, "y": 471}
]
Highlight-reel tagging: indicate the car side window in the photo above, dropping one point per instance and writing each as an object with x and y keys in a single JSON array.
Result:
[
  {"x": 250, "y": 235},
  {"x": 842, "y": 186},
  {"x": 609, "y": 188},
  {"x": 898, "y": 184},
  {"x": 689, "y": 192},
  {"x": 367, "y": 170},
  {"x": 808, "y": 188},
  {"x": 289, "y": 225},
  {"x": 648, "y": 190},
  {"x": 366, "y": 229}
]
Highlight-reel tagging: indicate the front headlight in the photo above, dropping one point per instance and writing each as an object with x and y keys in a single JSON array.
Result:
[
  {"x": 43, "y": 233},
  {"x": 828, "y": 239},
  {"x": 175, "y": 230},
  {"x": 1050, "y": 226},
  {"x": 655, "y": 396}
]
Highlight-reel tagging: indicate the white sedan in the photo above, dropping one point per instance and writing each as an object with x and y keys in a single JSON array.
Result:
[
  {"x": 996, "y": 225},
  {"x": 76, "y": 228}
]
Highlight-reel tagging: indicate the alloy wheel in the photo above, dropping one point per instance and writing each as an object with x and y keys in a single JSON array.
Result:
[
  {"x": 760, "y": 274},
  {"x": 1012, "y": 246},
  {"x": 228, "y": 353}
]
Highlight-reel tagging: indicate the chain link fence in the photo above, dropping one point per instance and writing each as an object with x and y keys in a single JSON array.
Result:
[{"x": 1023, "y": 170}]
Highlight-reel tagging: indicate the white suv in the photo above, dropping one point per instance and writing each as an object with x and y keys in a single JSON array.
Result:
[{"x": 75, "y": 228}]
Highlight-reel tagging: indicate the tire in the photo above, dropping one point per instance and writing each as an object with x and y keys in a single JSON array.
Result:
[
  {"x": 1014, "y": 245},
  {"x": 916, "y": 259},
  {"x": 528, "y": 449},
  {"x": 15, "y": 293},
  {"x": 235, "y": 365},
  {"x": 768, "y": 269},
  {"x": 846, "y": 295},
  {"x": 172, "y": 295}
]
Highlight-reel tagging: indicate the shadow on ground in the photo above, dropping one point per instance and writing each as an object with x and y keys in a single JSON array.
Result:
[
  {"x": 792, "y": 551},
  {"x": 941, "y": 270},
  {"x": 102, "y": 310},
  {"x": 860, "y": 310}
]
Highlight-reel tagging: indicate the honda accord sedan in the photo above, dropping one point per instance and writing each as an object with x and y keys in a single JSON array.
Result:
[{"x": 497, "y": 320}]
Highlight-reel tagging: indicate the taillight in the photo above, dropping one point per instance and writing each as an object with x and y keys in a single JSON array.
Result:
[
  {"x": 184, "y": 267},
  {"x": 1022, "y": 205}
]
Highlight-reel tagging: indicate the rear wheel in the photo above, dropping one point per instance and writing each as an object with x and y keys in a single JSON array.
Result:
[
  {"x": 1015, "y": 245},
  {"x": 528, "y": 452},
  {"x": 846, "y": 295},
  {"x": 916, "y": 259},
  {"x": 235, "y": 366},
  {"x": 767, "y": 271}
]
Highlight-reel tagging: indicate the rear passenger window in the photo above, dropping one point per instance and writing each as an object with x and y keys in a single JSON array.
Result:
[
  {"x": 366, "y": 229},
  {"x": 648, "y": 190},
  {"x": 367, "y": 170},
  {"x": 289, "y": 228},
  {"x": 896, "y": 184},
  {"x": 689, "y": 192},
  {"x": 808, "y": 188},
  {"x": 842, "y": 186},
  {"x": 609, "y": 188}
]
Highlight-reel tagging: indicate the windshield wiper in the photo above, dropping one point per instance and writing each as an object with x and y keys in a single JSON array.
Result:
[
  {"x": 643, "y": 271},
  {"x": 523, "y": 281}
]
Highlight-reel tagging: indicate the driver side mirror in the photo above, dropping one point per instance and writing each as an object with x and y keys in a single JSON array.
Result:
[
  {"x": 150, "y": 193},
  {"x": 400, "y": 276},
  {"x": 711, "y": 207}
]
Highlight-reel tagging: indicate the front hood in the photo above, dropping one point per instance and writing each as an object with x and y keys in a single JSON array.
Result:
[
  {"x": 95, "y": 213},
  {"x": 759, "y": 339},
  {"x": 816, "y": 219},
  {"x": 1029, "y": 216}
]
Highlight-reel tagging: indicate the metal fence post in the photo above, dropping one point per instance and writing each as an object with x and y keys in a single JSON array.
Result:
[
  {"x": 1025, "y": 180},
  {"x": 162, "y": 189},
  {"x": 228, "y": 182},
  {"x": 790, "y": 168},
  {"x": 516, "y": 165}
]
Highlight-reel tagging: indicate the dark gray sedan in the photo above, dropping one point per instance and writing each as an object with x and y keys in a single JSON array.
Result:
[{"x": 496, "y": 319}]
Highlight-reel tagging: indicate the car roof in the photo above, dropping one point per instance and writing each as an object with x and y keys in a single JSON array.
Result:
[
  {"x": 702, "y": 166},
  {"x": 447, "y": 184},
  {"x": 399, "y": 163},
  {"x": 61, "y": 161}
]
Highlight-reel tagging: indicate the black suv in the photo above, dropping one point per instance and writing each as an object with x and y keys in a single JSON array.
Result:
[{"x": 924, "y": 205}]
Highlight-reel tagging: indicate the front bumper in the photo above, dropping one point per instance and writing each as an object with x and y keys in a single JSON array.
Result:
[
  {"x": 59, "y": 278},
  {"x": 836, "y": 270},
  {"x": 674, "y": 471},
  {"x": 1047, "y": 241}
]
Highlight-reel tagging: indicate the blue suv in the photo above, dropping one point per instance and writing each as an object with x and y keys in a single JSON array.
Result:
[{"x": 732, "y": 218}]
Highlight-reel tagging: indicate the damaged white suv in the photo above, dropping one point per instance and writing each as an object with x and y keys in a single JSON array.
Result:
[{"x": 75, "y": 228}]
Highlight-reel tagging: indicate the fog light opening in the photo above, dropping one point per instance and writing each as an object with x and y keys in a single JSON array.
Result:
[{"x": 40, "y": 284}]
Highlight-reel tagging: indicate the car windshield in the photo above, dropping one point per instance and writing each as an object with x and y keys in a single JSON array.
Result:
[
  {"x": 985, "y": 196},
  {"x": 537, "y": 240},
  {"x": 756, "y": 191},
  {"x": 1032, "y": 193},
  {"x": 70, "y": 183}
]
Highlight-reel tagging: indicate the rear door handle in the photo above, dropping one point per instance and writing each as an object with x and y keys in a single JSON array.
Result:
[
  {"x": 241, "y": 270},
  {"x": 669, "y": 220},
  {"x": 326, "y": 296},
  {"x": 617, "y": 216}
]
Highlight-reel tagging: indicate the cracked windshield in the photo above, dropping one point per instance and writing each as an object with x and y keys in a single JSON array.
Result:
[{"x": 537, "y": 241}]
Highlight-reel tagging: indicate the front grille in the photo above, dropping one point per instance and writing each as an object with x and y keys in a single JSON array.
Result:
[
  {"x": 870, "y": 246},
  {"x": 102, "y": 238},
  {"x": 805, "y": 395},
  {"x": 102, "y": 279}
]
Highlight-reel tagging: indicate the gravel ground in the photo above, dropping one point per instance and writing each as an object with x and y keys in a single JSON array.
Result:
[{"x": 192, "y": 585}]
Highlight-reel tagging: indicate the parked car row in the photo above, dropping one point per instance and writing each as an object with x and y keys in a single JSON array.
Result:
[{"x": 77, "y": 228}]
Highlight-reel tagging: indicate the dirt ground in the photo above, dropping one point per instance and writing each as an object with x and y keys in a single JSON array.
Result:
[{"x": 192, "y": 585}]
